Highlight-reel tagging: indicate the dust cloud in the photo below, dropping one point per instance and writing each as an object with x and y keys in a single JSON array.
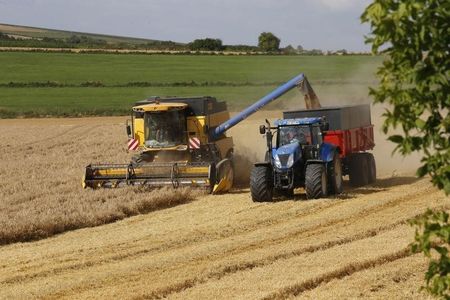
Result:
[
  {"x": 250, "y": 146},
  {"x": 351, "y": 89}
]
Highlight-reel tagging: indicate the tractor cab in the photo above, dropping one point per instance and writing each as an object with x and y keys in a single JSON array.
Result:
[{"x": 297, "y": 139}]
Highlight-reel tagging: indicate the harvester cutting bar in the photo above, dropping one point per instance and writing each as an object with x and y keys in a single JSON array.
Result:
[{"x": 151, "y": 174}]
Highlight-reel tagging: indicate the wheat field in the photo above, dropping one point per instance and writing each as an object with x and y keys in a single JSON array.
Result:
[{"x": 185, "y": 245}]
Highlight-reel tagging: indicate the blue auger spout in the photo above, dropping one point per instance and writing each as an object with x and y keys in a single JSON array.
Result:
[{"x": 299, "y": 80}]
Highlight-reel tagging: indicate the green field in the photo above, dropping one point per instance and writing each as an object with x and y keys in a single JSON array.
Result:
[{"x": 240, "y": 80}]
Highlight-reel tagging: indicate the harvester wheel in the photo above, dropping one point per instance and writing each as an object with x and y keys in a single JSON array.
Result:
[
  {"x": 261, "y": 183},
  {"x": 316, "y": 184},
  {"x": 335, "y": 174},
  {"x": 372, "y": 168},
  {"x": 359, "y": 170}
]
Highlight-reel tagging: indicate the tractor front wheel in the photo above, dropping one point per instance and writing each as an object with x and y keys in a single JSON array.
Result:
[
  {"x": 261, "y": 183},
  {"x": 316, "y": 183}
]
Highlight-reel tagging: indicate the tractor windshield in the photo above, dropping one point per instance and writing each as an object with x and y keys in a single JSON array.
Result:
[
  {"x": 294, "y": 134},
  {"x": 165, "y": 129}
]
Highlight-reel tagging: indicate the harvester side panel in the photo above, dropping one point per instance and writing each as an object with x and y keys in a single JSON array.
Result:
[
  {"x": 196, "y": 128},
  {"x": 139, "y": 132},
  {"x": 217, "y": 118}
]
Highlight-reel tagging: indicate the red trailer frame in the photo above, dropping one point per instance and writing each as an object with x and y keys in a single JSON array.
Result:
[{"x": 352, "y": 140}]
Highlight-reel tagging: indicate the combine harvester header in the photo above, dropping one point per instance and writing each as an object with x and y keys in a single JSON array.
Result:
[{"x": 182, "y": 142}]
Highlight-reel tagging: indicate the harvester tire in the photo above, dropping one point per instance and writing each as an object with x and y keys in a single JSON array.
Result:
[
  {"x": 335, "y": 175},
  {"x": 316, "y": 184},
  {"x": 261, "y": 183},
  {"x": 372, "y": 168},
  {"x": 359, "y": 170}
]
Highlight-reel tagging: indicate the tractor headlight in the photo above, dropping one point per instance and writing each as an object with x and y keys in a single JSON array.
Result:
[
  {"x": 290, "y": 161},
  {"x": 277, "y": 162}
]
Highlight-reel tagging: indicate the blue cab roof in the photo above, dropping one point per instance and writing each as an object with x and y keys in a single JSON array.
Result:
[{"x": 299, "y": 121}]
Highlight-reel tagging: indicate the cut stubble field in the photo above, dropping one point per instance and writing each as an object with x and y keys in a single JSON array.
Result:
[{"x": 188, "y": 245}]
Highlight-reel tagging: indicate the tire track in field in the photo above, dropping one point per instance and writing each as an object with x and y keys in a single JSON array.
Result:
[
  {"x": 232, "y": 269},
  {"x": 77, "y": 137},
  {"x": 244, "y": 266},
  {"x": 340, "y": 273},
  {"x": 178, "y": 244},
  {"x": 74, "y": 127},
  {"x": 39, "y": 141},
  {"x": 301, "y": 233},
  {"x": 318, "y": 229},
  {"x": 229, "y": 270},
  {"x": 66, "y": 134}
]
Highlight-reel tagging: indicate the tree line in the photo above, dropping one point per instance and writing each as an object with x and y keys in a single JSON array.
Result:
[{"x": 267, "y": 43}]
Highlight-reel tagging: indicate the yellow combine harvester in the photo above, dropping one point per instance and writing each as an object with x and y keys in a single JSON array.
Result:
[
  {"x": 182, "y": 142},
  {"x": 173, "y": 137}
]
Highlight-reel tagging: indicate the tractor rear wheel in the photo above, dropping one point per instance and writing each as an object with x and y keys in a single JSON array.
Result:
[
  {"x": 335, "y": 174},
  {"x": 359, "y": 170},
  {"x": 316, "y": 183},
  {"x": 261, "y": 183}
]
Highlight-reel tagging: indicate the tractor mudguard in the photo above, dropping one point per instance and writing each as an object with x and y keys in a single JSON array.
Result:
[{"x": 326, "y": 152}]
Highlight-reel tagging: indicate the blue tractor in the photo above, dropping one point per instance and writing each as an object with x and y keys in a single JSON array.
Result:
[{"x": 299, "y": 158}]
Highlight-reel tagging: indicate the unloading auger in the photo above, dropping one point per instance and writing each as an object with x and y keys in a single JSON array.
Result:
[{"x": 182, "y": 142}]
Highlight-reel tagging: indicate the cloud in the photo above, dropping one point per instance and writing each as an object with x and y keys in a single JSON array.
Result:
[
  {"x": 325, "y": 24},
  {"x": 341, "y": 4}
]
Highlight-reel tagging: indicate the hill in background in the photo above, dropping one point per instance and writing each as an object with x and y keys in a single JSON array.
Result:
[
  {"x": 26, "y": 32},
  {"x": 34, "y": 37}
]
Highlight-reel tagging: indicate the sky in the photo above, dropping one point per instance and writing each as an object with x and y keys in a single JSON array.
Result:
[{"x": 320, "y": 24}]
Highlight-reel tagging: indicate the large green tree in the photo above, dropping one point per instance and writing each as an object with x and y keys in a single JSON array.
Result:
[
  {"x": 207, "y": 44},
  {"x": 268, "y": 42},
  {"x": 414, "y": 38}
]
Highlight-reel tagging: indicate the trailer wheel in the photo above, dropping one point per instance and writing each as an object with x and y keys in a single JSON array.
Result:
[
  {"x": 335, "y": 174},
  {"x": 372, "y": 168},
  {"x": 359, "y": 170},
  {"x": 316, "y": 183},
  {"x": 261, "y": 183}
]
